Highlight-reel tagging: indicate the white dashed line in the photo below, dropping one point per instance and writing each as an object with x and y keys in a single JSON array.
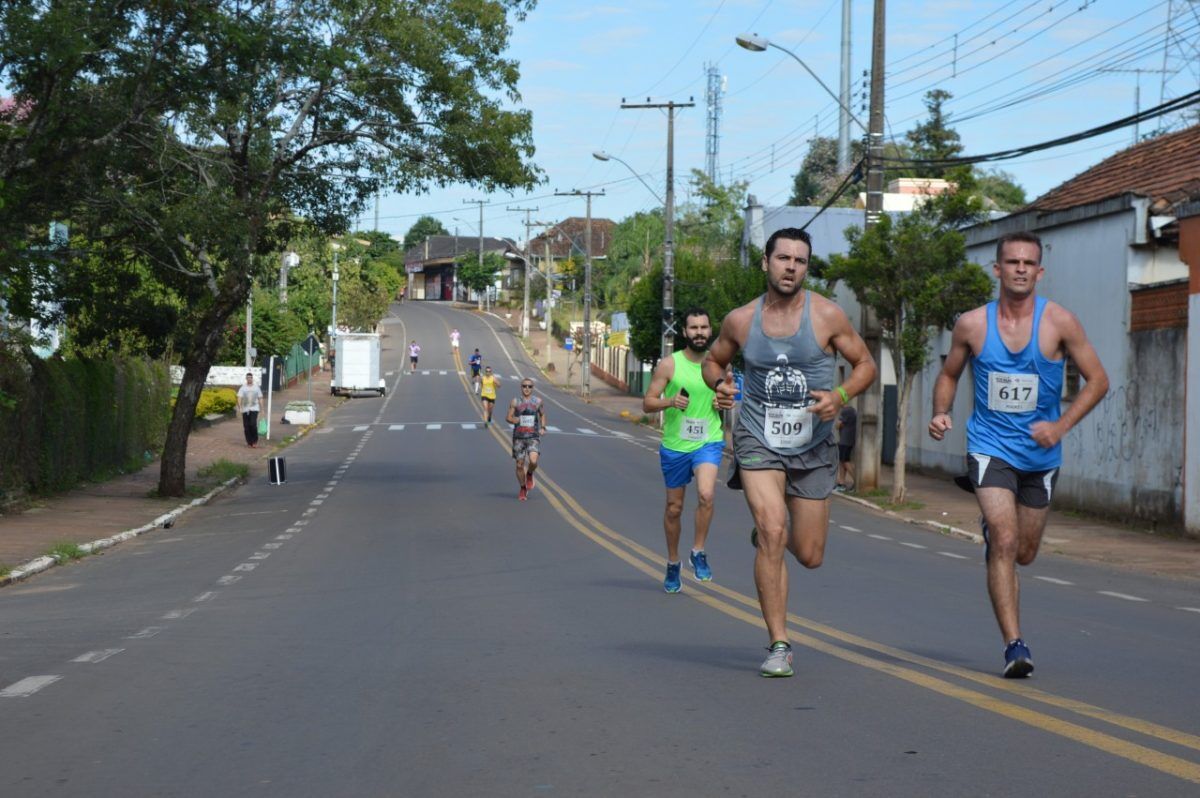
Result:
[
  {"x": 912, "y": 545},
  {"x": 260, "y": 555},
  {"x": 322, "y": 496},
  {"x": 395, "y": 427},
  {"x": 246, "y": 566},
  {"x": 468, "y": 426},
  {"x": 1054, "y": 581},
  {"x": 145, "y": 634},
  {"x": 297, "y": 524},
  {"x": 849, "y": 528},
  {"x": 175, "y": 615},
  {"x": 98, "y": 656},
  {"x": 1122, "y": 596},
  {"x": 550, "y": 429},
  {"x": 433, "y": 426},
  {"x": 205, "y": 596},
  {"x": 443, "y": 373},
  {"x": 272, "y": 545},
  {"x": 587, "y": 431},
  {"x": 952, "y": 554},
  {"x": 622, "y": 434},
  {"x": 316, "y": 502},
  {"x": 228, "y": 579},
  {"x": 310, "y": 511},
  {"x": 360, "y": 428},
  {"x": 284, "y": 536},
  {"x": 28, "y": 686},
  {"x": 1189, "y": 609},
  {"x": 878, "y": 537}
]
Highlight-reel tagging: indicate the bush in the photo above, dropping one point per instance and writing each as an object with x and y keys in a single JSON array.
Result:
[{"x": 216, "y": 400}]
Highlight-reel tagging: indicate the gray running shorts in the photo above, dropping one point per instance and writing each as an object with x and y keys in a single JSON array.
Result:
[
  {"x": 523, "y": 447},
  {"x": 810, "y": 475}
]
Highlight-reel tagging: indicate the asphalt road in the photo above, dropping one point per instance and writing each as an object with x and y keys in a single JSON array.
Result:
[{"x": 393, "y": 622}]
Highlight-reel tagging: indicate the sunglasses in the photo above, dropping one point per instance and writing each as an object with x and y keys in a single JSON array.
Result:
[{"x": 530, "y": 387}]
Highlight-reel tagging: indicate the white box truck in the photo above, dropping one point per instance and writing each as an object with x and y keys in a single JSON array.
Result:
[{"x": 356, "y": 364}]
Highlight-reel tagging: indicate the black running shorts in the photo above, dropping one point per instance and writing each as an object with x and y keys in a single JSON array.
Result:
[{"x": 1032, "y": 488}]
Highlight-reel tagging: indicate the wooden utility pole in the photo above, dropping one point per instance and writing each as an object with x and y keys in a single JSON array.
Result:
[{"x": 585, "y": 379}]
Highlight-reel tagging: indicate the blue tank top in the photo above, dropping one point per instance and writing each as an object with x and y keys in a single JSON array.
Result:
[
  {"x": 1013, "y": 391},
  {"x": 780, "y": 372}
]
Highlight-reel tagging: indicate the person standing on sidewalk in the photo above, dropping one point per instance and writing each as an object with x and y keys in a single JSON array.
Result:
[
  {"x": 249, "y": 402},
  {"x": 527, "y": 414},
  {"x": 692, "y": 443},
  {"x": 847, "y": 427},
  {"x": 784, "y": 444},
  {"x": 1016, "y": 345}
]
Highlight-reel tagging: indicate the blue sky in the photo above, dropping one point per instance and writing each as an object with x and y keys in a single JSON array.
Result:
[{"x": 579, "y": 59}]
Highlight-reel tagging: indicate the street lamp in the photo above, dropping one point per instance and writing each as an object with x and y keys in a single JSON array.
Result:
[
  {"x": 756, "y": 44},
  {"x": 601, "y": 155}
]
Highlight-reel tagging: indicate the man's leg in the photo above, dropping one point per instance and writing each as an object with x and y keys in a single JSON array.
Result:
[
  {"x": 252, "y": 432},
  {"x": 706, "y": 488},
  {"x": 246, "y": 428},
  {"x": 765, "y": 496},
  {"x": 1031, "y": 523},
  {"x": 533, "y": 464},
  {"x": 672, "y": 525},
  {"x": 810, "y": 530},
  {"x": 849, "y": 481},
  {"x": 999, "y": 506}
]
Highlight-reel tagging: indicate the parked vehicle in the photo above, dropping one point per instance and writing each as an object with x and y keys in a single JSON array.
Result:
[{"x": 356, "y": 364}]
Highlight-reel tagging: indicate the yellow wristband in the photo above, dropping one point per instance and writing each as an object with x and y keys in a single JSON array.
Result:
[{"x": 840, "y": 391}]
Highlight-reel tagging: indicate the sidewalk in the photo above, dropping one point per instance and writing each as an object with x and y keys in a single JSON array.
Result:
[
  {"x": 100, "y": 510},
  {"x": 938, "y": 503}
]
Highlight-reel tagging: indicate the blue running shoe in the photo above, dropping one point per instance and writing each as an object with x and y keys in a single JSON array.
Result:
[
  {"x": 672, "y": 584},
  {"x": 699, "y": 562},
  {"x": 987, "y": 544},
  {"x": 1018, "y": 662}
]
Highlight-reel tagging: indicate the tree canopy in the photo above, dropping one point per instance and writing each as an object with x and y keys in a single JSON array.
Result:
[{"x": 424, "y": 227}]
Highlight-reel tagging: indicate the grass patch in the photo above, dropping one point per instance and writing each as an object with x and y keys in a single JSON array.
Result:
[
  {"x": 5, "y": 569},
  {"x": 882, "y": 497},
  {"x": 223, "y": 470},
  {"x": 65, "y": 551}
]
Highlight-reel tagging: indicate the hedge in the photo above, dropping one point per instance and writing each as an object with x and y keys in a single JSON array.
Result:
[{"x": 63, "y": 421}]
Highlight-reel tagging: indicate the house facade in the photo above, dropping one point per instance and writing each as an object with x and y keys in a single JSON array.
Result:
[{"x": 431, "y": 265}]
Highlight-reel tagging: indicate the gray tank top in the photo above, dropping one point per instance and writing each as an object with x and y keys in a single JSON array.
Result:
[{"x": 780, "y": 372}]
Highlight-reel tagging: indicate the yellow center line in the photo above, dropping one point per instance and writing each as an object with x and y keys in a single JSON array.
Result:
[{"x": 647, "y": 561}]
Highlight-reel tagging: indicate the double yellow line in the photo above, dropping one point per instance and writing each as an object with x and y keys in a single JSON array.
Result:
[{"x": 886, "y": 659}]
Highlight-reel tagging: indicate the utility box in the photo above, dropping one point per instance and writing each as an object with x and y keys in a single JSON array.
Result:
[{"x": 356, "y": 364}]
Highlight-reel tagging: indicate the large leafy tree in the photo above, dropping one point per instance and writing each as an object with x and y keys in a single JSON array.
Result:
[
  {"x": 913, "y": 272},
  {"x": 245, "y": 113},
  {"x": 934, "y": 139},
  {"x": 424, "y": 227}
]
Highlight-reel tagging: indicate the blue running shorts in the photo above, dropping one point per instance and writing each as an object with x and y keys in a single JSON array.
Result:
[{"x": 677, "y": 467}]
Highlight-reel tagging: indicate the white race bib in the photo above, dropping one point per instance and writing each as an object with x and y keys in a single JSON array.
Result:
[
  {"x": 788, "y": 427},
  {"x": 527, "y": 421},
  {"x": 694, "y": 429},
  {"x": 1012, "y": 393}
]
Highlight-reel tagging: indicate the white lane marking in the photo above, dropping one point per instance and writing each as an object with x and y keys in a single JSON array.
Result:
[
  {"x": 878, "y": 537},
  {"x": 361, "y": 428},
  {"x": 98, "y": 656},
  {"x": 1189, "y": 609},
  {"x": 444, "y": 372},
  {"x": 310, "y": 511},
  {"x": 849, "y": 528},
  {"x": 272, "y": 545},
  {"x": 952, "y": 554},
  {"x": 228, "y": 579},
  {"x": 587, "y": 431},
  {"x": 1122, "y": 596},
  {"x": 433, "y": 426},
  {"x": 284, "y": 536},
  {"x": 395, "y": 427},
  {"x": 1054, "y": 581},
  {"x": 316, "y": 502},
  {"x": 552, "y": 429},
  {"x": 622, "y": 434},
  {"x": 331, "y": 484},
  {"x": 322, "y": 496},
  {"x": 425, "y": 372},
  {"x": 175, "y": 615},
  {"x": 462, "y": 373},
  {"x": 260, "y": 555},
  {"x": 388, "y": 373},
  {"x": 28, "y": 686},
  {"x": 298, "y": 523},
  {"x": 145, "y": 634},
  {"x": 246, "y": 566},
  {"x": 205, "y": 596},
  {"x": 912, "y": 545},
  {"x": 467, "y": 426}
]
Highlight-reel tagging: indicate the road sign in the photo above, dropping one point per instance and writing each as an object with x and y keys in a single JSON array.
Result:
[
  {"x": 569, "y": 344},
  {"x": 311, "y": 345}
]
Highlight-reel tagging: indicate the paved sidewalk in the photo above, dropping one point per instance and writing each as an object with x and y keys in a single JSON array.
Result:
[
  {"x": 943, "y": 505},
  {"x": 100, "y": 510}
]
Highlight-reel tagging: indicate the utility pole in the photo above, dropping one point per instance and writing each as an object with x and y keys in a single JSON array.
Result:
[
  {"x": 549, "y": 305},
  {"x": 585, "y": 379},
  {"x": 528, "y": 266},
  {"x": 480, "y": 203},
  {"x": 870, "y": 431},
  {"x": 668, "y": 309},
  {"x": 843, "y": 151}
]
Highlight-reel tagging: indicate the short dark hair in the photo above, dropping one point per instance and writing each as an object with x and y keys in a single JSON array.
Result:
[
  {"x": 1019, "y": 235},
  {"x": 695, "y": 310},
  {"x": 790, "y": 233}
]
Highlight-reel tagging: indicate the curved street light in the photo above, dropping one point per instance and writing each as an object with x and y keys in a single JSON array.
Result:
[
  {"x": 601, "y": 155},
  {"x": 756, "y": 44}
]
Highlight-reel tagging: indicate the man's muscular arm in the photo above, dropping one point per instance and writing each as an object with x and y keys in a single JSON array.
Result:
[
  {"x": 946, "y": 384},
  {"x": 721, "y": 353}
]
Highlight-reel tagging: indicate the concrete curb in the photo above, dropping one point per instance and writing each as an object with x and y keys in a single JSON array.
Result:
[
  {"x": 944, "y": 529},
  {"x": 39, "y": 564}
]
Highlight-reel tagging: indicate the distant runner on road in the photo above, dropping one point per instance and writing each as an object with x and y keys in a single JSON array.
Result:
[
  {"x": 488, "y": 384},
  {"x": 527, "y": 414},
  {"x": 784, "y": 443},
  {"x": 454, "y": 336},
  {"x": 1016, "y": 345},
  {"x": 475, "y": 361},
  {"x": 692, "y": 443},
  {"x": 414, "y": 353}
]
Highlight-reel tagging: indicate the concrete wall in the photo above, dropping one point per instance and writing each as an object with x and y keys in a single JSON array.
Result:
[{"x": 1125, "y": 458}]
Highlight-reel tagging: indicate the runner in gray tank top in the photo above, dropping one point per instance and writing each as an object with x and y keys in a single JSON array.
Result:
[{"x": 783, "y": 442}]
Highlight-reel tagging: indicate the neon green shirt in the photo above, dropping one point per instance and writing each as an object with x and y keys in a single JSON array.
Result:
[{"x": 688, "y": 430}]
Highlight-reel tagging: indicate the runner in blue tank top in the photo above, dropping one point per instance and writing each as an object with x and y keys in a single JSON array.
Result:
[
  {"x": 1016, "y": 346},
  {"x": 783, "y": 440}
]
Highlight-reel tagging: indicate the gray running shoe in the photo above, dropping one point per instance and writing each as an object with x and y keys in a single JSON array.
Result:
[{"x": 779, "y": 661}]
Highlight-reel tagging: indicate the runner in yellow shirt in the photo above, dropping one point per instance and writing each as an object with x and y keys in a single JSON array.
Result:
[{"x": 487, "y": 393}]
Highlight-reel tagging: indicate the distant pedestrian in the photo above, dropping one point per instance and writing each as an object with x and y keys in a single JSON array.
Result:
[
  {"x": 249, "y": 403},
  {"x": 414, "y": 353},
  {"x": 1016, "y": 345},
  {"x": 454, "y": 336},
  {"x": 847, "y": 426}
]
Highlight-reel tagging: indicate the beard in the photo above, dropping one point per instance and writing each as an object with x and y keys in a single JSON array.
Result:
[
  {"x": 779, "y": 289},
  {"x": 699, "y": 347}
]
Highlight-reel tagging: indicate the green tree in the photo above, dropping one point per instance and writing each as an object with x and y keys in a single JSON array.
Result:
[
  {"x": 478, "y": 277},
  {"x": 711, "y": 224},
  {"x": 998, "y": 189},
  {"x": 424, "y": 227},
  {"x": 914, "y": 273},
  {"x": 934, "y": 139},
  {"x": 221, "y": 122},
  {"x": 818, "y": 176}
]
